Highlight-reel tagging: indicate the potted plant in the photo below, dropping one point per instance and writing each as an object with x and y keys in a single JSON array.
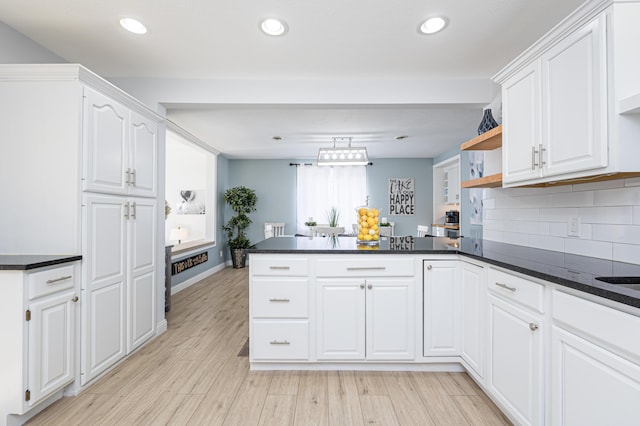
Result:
[{"x": 243, "y": 201}]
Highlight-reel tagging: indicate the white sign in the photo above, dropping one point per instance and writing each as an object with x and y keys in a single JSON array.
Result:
[{"x": 401, "y": 197}]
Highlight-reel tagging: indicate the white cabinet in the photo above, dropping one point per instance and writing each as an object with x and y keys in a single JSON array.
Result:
[
  {"x": 451, "y": 176},
  {"x": 51, "y": 344},
  {"x": 515, "y": 347},
  {"x": 365, "y": 318},
  {"x": 441, "y": 289},
  {"x": 595, "y": 366},
  {"x": 120, "y": 148},
  {"x": 574, "y": 102},
  {"x": 38, "y": 315},
  {"x": 119, "y": 281},
  {"x": 472, "y": 336},
  {"x": 521, "y": 125},
  {"x": 555, "y": 110},
  {"x": 279, "y": 308}
]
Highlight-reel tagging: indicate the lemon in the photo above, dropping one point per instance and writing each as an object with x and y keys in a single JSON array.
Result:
[{"x": 367, "y": 237}]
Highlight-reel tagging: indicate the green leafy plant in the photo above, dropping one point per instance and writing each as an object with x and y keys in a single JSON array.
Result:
[
  {"x": 312, "y": 223},
  {"x": 243, "y": 201},
  {"x": 385, "y": 224},
  {"x": 333, "y": 216},
  {"x": 167, "y": 209}
]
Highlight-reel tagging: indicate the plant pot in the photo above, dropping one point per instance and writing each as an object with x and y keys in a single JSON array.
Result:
[{"x": 238, "y": 258}]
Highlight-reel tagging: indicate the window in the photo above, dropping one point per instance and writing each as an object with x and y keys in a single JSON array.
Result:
[{"x": 320, "y": 188}]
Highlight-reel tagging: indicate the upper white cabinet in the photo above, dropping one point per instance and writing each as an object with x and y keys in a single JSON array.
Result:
[
  {"x": 559, "y": 119},
  {"x": 120, "y": 148}
]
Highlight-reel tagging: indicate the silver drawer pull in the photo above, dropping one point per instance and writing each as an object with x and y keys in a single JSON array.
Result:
[
  {"x": 280, "y": 267},
  {"x": 66, "y": 277},
  {"x": 533, "y": 327},
  {"x": 366, "y": 268},
  {"x": 506, "y": 286},
  {"x": 280, "y": 300},
  {"x": 276, "y": 342}
]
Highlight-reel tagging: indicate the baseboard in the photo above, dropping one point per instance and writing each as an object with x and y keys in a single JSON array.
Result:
[
  {"x": 161, "y": 327},
  {"x": 191, "y": 281}
]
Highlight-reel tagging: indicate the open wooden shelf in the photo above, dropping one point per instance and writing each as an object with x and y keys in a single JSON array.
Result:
[
  {"x": 492, "y": 181},
  {"x": 487, "y": 141}
]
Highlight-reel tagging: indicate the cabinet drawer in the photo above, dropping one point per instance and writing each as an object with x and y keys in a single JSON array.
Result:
[
  {"x": 602, "y": 322},
  {"x": 525, "y": 292},
  {"x": 279, "y": 265},
  {"x": 275, "y": 340},
  {"x": 279, "y": 298},
  {"x": 372, "y": 266},
  {"x": 50, "y": 281}
]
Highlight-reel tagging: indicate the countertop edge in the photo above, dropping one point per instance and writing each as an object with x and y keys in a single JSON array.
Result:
[{"x": 33, "y": 262}]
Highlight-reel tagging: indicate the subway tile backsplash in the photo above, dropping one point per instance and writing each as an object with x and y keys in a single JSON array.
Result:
[{"x": 608, "y": 214}]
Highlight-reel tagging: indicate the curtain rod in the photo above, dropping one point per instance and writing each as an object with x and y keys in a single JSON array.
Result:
[{"x": 311, "y": 164}]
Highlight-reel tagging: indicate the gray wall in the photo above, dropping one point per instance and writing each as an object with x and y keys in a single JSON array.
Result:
[
  {"x": 15, "y": 48},
  {"x": 275, "y": 184}
]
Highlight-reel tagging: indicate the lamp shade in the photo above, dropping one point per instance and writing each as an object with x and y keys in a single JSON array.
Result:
[
  {"x": 343, "y": 156},
  {"x": 178, "y": 234}
]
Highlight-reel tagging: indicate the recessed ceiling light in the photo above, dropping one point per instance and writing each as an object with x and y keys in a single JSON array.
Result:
[
  {"x": 401, "y": 138},
  {"x": 433, "y": 25},
  {"x": 277, "y": 138},
  {"x": 274, "y": 27},
  {"x": 133, "y": 26}
]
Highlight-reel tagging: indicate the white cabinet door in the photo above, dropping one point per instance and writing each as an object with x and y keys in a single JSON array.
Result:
[
  {"x": 521, "y": 125},
  {"x": 105, "y": 142},
  {"x": 472, "y": 337},
  {"x": 143, "y": 156},
  {"x": 441, "y": 308},
  {"x": 591, "y": 385},
  {"x": 51, "y": 345},
  {"x": 390, "y": 318},
  {"x": 104, "y": 332},
  {"x": 341, "y": 318},
  {"x": 141, "y": 271},
  {"x": 574, "y": 89},
  {"x": 514, "y": 375}
]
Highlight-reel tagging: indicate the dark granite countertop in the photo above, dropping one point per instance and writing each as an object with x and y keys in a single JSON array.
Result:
[
  {"x": 22, "y": 262},
  {"x": 569, "y": 270}
]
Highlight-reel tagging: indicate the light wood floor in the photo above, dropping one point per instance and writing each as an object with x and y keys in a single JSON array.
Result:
[{"x": 191, "y": 375}]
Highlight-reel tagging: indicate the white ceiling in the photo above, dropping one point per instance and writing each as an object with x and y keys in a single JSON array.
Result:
[{"x": 329, "y": 40}]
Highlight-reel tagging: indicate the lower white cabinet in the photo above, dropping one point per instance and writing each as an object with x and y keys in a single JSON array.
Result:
[
  {"x": 595, "y": 364},
  {"x": 515, "y": 360},
  {"x": 365, "y": 318},
  {"x": 38, "y": 317},
  {"x": 51, "y": 344},
  {"x": 441, "y": 289},
  {"x": 119, "y": 285},
  {"x": 472, "y": 335}
]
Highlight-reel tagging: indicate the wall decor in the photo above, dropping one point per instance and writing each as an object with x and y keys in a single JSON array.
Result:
[
  {"x": 189, "y": 262},
  {"x": 402, "y": 197},
  {"x": 191, "y": 202},
  {"x": 476, "y": 164},
  {"x": 475, "y": 204}
]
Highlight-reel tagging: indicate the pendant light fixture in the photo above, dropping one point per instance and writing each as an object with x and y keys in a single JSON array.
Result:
[{"x": 349, "y": 156}]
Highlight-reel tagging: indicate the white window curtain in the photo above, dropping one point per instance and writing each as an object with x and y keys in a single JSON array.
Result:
[{"x": 320, "y": 188}]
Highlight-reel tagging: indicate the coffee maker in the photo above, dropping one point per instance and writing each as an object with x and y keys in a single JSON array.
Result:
[{"x": 452, "y": 217}]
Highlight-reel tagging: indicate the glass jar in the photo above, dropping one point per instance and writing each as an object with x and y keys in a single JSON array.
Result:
[{"x": 368, "y": 225}]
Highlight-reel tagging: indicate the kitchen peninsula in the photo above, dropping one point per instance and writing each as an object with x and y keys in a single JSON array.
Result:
[{"x": 517, "y": 319}]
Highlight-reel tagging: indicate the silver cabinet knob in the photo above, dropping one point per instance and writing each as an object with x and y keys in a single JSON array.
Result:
[
  {"x": 369, "y": 286},
  {"x": 75, "y": 299},
  {"x": 533, "y": 327},
  {"x": 362, "y": 286},
  {"x": 429, "y": 267}
]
